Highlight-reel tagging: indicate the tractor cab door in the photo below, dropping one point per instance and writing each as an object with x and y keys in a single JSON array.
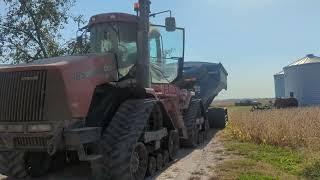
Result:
[{"x": 166, "y": 53}]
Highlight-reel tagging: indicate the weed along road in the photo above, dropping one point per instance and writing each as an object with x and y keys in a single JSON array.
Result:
[{"x": 190, "y": 163}]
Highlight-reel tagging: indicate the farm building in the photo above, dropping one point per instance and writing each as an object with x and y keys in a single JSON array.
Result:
[
  {"x": 301, "y": 80},
  {"x": 279, "y": 84}
]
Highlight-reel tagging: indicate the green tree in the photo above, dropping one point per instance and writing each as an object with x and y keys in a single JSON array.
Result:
[{"x": 31, "y": 29}]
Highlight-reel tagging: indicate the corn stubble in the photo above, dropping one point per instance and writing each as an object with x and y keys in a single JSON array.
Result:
[{"x": 295, "y": 127}]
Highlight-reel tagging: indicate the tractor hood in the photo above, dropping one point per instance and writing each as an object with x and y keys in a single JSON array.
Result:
[{"x": 68, "y": 83}]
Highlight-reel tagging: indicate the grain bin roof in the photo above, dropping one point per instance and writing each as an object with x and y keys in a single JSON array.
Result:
[
  {"x": 310, "y": 58},
  {"x": 280, "y": 73}
]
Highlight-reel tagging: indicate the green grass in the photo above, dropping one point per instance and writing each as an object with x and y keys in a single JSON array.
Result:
[
  {"x": 255, "y": 176},
  {"x": 254, "y": 161},
  {"x": 312, "y": 171},
  {"x": 285, "y": 159}
]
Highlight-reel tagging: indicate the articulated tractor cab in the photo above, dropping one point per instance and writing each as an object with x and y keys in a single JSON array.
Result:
[{"x": 116, "y": 108}]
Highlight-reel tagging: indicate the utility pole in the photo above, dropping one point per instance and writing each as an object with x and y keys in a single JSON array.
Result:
[{"x": 143, "y": 62}]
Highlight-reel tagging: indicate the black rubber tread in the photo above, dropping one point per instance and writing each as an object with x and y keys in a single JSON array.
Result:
[
  {"x": 166, "y": 158},
  {"x": 37, "y": 163},
  {"x": 156, "y": 118},
  {"x": 119, "y": 139},
  {"x": 201, "y": 137},
  {"x": 58, "y": 161},
  {"x": 152, "y": 166},
  {"x": 172, "y": 144},
  {"x": 189, "y": 118},
  {"x": 207, "y": 128},
  {"x": 217, "y": 118},
  {"x": 12, "y": 164},
  {"x": 159, "y": 161}
]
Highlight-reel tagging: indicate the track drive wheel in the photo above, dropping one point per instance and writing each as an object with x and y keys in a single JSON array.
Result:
[
  {"x": 152, "y": 166},
  {"x": 172, "y": 144},
  {"x": 12, "y": 164}
]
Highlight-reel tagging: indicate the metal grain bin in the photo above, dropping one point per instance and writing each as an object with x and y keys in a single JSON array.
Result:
[
  {"x": 279, "y": 85},
  {"x": 302, "y": 80}
]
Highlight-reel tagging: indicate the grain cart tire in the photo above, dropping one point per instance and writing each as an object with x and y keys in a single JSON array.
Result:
[
  {"x": 37, "y": 163},
  {"x": 152, "y": 166},
  {"x": 123, "y": 156},
  {"x": 12, "y": 164},
  {"x": 172, "y": 144},
  {"x": 217, "y": 118}
]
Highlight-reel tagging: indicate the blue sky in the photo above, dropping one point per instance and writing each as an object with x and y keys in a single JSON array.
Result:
[{"x": 253, "y": 39}]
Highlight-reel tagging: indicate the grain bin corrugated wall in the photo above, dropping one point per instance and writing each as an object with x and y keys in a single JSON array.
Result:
[
  {"x": 279, "y": 85},
  {"x": 302, "y": 79}
]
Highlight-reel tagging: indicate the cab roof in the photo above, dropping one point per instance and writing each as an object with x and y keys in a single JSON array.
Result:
[{"x": 112, "y": 17}]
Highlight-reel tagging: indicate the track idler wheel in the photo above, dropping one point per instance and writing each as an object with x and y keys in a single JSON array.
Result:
[
  {"x": 139, "y": 161},
  {"x": 172, "y": 144},
  {"x": 152, "y": 166},
  {"x": 166, "y": 158}
]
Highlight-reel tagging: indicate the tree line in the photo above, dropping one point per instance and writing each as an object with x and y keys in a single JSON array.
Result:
[{"x": 32, "y": 30}]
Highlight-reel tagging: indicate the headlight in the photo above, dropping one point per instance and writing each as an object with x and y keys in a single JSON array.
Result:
[
  {"x": 39, "y": 128},
  {"x": 15, "y": 128}
]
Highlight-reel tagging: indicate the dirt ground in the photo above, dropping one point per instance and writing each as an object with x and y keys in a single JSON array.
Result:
[
  {"x": 193, "y": 164},
  {"x": 197, "y": 164}
]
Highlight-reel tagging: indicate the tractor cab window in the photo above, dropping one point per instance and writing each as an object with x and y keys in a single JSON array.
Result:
[
  {"x": 119, "y": 38},
  {"x": 166, "y": 48}
]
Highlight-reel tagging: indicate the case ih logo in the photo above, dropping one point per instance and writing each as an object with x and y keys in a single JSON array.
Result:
[{"x": 29, "y": 78}]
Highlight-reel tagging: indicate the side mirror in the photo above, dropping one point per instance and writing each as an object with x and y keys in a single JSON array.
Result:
[{"x": 170, "y": 24}]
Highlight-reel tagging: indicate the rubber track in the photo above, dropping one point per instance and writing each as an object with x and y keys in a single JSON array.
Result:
[
  {"x": 189, "y": 118},
  {"x": 12, "y": 164},
  {"x": 190, "y": 115},
  {"x": 121, "y": 135}
]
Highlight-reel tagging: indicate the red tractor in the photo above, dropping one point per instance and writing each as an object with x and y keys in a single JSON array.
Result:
[{"x": 117, "y": 107}]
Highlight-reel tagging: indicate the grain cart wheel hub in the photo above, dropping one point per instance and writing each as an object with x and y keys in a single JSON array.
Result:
[{"x": 139, "y": 161}]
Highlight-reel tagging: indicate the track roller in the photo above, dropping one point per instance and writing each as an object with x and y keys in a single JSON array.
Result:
[
  {"x": 201, "y": 137},
  {"x": 159, "y": 161},
  {"x": 172, "y": 144},
  {"x": 152, "y": 166},
  {"x": 166, "y": 158}
]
